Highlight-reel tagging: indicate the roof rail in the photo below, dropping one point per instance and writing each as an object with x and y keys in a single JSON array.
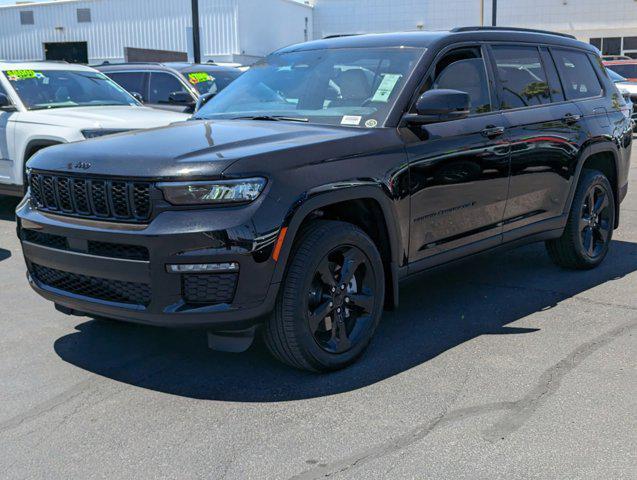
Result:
[
  {"x": 511, "y": 29},
  {"x": 339, "y": 35}
]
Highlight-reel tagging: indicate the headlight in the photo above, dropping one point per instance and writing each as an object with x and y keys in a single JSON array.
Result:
[
  {"x": 101, "y": 132},
  {"x": 206, "y": 193}
]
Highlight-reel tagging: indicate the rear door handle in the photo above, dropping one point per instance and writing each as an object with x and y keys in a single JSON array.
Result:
[
  {"x": 570, "y": 119},
  {"x": 493, "y": 132}
]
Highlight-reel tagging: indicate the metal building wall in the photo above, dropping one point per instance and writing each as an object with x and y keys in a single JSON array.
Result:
[
  {"x": 115, "y": 24},
  {"x": 231, "y": 30}
]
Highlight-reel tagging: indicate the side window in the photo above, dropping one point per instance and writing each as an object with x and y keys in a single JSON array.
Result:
[
  {"x": 161, "y": 86},
  {"x": 523, "y": 81},
  {"x": 577, "y": 73},
  {"x": 132, "y": 82},
  {"x": 464, "y": 70}
]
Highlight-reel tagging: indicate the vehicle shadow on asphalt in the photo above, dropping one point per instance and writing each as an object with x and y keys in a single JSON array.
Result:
[{"x": 438, "y": 312}]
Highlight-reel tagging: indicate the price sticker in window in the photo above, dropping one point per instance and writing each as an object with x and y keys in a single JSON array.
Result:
[
  {"x": 16, "y": 75},
  {"x": 199, "y": 77},
  {"x": 386, "y": 87}
]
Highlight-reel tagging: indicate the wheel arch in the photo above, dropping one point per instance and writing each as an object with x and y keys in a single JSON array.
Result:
[
  {"x": 603, "y": 157},
  {"x": 332, "y": 198}
]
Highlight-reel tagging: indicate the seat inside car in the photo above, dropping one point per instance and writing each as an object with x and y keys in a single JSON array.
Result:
[{"x": 355, "y": 88}]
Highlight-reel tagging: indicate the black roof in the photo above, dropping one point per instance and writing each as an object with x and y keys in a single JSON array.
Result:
[{"x": 429, "y": 39}]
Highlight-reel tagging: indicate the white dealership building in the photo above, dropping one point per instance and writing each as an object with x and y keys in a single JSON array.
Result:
[{"x": 241, "y": 31}]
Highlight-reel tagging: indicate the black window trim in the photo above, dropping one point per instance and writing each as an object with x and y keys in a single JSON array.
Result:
[{"x": 549, "y": 47}]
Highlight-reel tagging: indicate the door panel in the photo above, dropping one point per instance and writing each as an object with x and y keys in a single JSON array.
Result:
[
  {"x": 459, "y": 181},
  {"x": 544, "y": 149},
  {"x": 544, "y": 130}
]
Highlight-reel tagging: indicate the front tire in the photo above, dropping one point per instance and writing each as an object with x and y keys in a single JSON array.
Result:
[
  {"x": 589, "y": 230},
  {"x": 331, "y": 299}
]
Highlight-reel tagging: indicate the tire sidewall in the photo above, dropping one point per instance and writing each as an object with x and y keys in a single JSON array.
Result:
[{"x": 348, "y": 235}]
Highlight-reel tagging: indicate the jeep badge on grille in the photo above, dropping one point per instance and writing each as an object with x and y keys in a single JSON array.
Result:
[{"x": 79, "y": 166}]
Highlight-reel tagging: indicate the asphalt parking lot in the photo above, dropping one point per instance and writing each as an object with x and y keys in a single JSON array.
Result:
[{"x": 502, "y": 367}]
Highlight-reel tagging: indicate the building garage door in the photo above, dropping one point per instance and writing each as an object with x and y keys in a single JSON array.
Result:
[{"x": 72, "y": 52}]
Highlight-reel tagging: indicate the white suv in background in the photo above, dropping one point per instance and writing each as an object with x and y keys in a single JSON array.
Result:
[{"x": 47, "y": 103}]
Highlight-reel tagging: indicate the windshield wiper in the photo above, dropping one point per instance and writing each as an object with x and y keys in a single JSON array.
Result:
[{"x": 272, "y": 118}]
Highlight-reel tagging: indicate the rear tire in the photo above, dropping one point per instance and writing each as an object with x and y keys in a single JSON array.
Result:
[
  {"x": 589, "y": 230},
  {"x": 330, "y": 301}
]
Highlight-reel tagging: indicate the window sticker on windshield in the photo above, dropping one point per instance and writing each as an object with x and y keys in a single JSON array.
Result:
[
  {"x": 386, "y": 87},
  {"x": 15, "y": 75},
  {"x": 351, "y": 120},
  {"x": 199, "y": 77},
  {"x": 371, "y": 123}
]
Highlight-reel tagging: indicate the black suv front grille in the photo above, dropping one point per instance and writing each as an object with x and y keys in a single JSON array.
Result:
[
  {"x": 99, "y": 288},
  {"x": 45, "y": 239},
  {"x": 117, "y": 200}
]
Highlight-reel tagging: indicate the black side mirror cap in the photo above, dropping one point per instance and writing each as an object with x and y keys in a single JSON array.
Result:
[
  {"x": 205, "y": 98},
  {"x": 137, "y": 96},
  {"x": 5, "y": 104},
  {"x": 435, "y": 106}
]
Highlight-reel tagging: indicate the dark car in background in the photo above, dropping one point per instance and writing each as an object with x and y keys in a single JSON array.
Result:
[
  {"x": 171, "y": 86},
  {"x": 625, "y": 68},
  {"x": 300, "y": 197}
]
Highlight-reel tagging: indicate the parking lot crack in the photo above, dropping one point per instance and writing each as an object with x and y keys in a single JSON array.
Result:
[{"x": 516, "y": 412}]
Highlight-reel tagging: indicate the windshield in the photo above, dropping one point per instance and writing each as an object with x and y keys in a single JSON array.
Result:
[
  {"x": 210, "y": 82},
  {"x": 45, "y": 89},
  {"x": 354, "y": 86},
  {"x": 626, "y": 70}
]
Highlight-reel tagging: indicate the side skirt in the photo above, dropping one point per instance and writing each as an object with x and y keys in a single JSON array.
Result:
[{"x": 545, "y": 230}]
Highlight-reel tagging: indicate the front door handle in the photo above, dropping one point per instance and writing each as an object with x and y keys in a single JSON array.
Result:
[
  {"x": 571, "y": 119},
  {"x": 493, "y": 131}
]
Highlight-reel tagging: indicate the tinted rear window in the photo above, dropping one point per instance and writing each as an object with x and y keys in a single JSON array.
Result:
[{"x": 578, "y": 76}]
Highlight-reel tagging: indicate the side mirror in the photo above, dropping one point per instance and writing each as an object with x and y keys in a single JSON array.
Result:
[
  {"x": 205, "y": 98},
  {"x": 137, "y": 96},
  {"x": 435, "y": 106},
  {"x": 5, "y": 104},
  {"x": 181, "y": 98}
]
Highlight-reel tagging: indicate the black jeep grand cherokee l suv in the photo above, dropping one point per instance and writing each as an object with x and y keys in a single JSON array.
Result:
[{"x": 307, "y": 190}]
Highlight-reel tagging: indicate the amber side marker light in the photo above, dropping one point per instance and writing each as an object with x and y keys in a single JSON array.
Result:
[{"x": 279, "y": 244}]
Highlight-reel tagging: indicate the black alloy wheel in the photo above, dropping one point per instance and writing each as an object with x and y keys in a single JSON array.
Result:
[
  {"x": 331, "y": 298},
  {"x": 341, "y": 299},
  {"x": 589, "y": 229},
  {"x": 595, "y": 221}
]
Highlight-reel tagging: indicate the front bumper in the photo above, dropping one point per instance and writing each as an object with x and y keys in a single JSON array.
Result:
[{"x": 87, "y": 268}]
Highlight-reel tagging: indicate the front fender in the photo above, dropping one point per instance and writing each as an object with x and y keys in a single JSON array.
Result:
[{"x": 336, "y": 193}]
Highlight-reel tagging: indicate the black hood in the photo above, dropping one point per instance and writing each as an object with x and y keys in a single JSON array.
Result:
[{"x": 198, "y": 148}]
